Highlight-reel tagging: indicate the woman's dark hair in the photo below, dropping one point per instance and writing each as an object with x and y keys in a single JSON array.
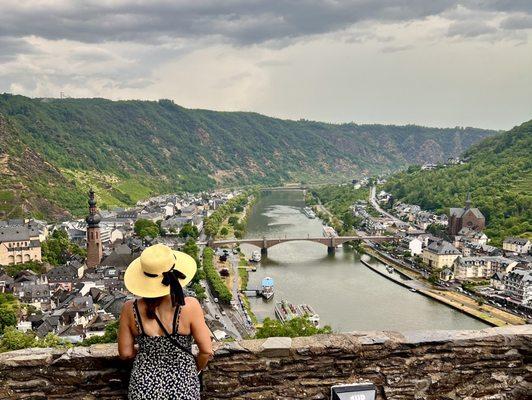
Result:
[{"x": 151, "y": 305}]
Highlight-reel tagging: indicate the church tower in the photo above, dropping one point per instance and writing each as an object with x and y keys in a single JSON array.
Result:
[{"x": 94, "y": 240}]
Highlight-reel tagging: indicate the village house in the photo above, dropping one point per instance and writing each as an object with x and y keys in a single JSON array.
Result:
[
  {"x": 446, "y": 274},
  {"x": 440, "y": 254},
  {"x": 481, "y": 267},
  {"x": 497, "y": 281},
  {"x": 517, "y": 245},
  {"x": 413, "y": 244},
  {"x": 19, "y": 242},
  {"x": 518, "y": 286}
]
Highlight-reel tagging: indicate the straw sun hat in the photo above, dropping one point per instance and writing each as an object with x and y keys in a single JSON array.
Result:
[{"x": 160, "y": 271}]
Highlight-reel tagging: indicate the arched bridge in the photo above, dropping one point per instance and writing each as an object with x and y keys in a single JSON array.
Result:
[{"x": 265, "y": 243}]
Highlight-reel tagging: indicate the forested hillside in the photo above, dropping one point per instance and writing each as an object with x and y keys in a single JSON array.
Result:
[
  {"x": 498, "y": 175},
  {"x": 128, "y": 150}
]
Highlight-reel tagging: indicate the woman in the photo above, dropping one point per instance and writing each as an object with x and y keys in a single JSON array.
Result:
[{"x": 163, "y": 322}]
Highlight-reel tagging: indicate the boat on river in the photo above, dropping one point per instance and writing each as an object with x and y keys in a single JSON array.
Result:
[
  {"x": 285, "y": 311},
  {"x": 309, "y": 213},
  {"x": 255, "y": 256},
  {"x": 267, "y": 288},
  {"x": 328, "y": 231}
]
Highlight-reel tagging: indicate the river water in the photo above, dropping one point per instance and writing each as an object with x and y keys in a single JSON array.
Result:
[{"x": 346, "y": 294}]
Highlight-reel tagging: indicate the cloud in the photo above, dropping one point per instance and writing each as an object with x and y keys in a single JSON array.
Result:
[
  {"x": 247, "y": 54},
  {"x": 470, "y": 29},
  {"x": 517, "y": 22},
  {"x": 240, "y": 22}
]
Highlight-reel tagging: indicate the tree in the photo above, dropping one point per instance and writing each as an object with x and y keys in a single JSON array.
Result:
[
  {"x": 9, "y": 307},
  {"x": 58, "y": 249},
  {"x": 192, "y": 249},
  {"x": 189, "y": 231},
  {"x": 8, "y": 317},
  {"x": 300, "y": 326},
  {"x": 224, "y": 231},
  {"x": 145, "y": 227},
  {"x": 110, "y": 335},
  {"x": 215, "y": 281}
]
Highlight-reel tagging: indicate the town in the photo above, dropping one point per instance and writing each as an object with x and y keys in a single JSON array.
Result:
[
  {"x": 69, "y": 276},
  {"x": 451, "y": 250}
]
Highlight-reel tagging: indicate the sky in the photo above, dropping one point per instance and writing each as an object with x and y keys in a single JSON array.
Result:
[{"x": 431, "y": 62}]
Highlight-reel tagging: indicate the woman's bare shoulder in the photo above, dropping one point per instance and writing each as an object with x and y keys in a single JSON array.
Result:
[
  {"x": 193, "y": 305},
  {"x": 127, "y": 307}
]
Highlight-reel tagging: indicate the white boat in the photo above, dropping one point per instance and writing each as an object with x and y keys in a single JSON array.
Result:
[
  {"x": 267, "y": 288},
  {"x": 413, "y": 290},
  {"x": 328, "y": 231},
  {"x": 255, "y": 256},
  {"x": 309, "y": 213}
]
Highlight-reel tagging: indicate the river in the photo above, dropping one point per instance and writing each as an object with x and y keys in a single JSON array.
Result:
[{"x": 346, "y": 294}]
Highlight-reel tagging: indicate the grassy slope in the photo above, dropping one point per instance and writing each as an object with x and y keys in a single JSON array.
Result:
[{"x": 128, "y": 150}]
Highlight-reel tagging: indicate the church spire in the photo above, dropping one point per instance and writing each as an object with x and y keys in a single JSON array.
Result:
[
  {"x": 468, "y": 201},
  {"x": 94, "y": 240}
]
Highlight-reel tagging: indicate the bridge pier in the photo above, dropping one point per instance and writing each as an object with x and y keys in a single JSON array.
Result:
[
  {"x": 331, "y": 249},
  {"x": 264, "y": 251}
]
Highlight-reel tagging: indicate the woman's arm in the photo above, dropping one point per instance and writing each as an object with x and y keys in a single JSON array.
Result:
[
  {"x": 126, "y": 340},
  {"x": 201, "y": 333}
]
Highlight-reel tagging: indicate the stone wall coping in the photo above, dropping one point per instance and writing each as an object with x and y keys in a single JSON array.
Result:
[{"x": 274, "y": 346}]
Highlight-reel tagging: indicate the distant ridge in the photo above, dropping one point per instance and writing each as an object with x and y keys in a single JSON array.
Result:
[{"x": 54, "y": 149}]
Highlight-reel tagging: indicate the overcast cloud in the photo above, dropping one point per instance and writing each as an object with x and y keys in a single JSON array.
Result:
[{"x": 437, "y": 62}]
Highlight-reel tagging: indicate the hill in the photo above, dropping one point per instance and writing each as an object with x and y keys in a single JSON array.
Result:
[
  {"x": 128, "y": 150},
  {"x": 498, "y": 175}
]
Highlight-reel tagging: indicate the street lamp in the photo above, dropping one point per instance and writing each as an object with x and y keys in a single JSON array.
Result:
[{"x": 355, "y": 391}]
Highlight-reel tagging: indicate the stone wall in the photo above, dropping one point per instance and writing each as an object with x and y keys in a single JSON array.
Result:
[{"x": 489, "y": 364}]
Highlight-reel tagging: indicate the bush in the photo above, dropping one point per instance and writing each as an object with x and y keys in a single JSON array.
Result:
[
  {"x": 300, "y": 326},
  {"x": 215, "y": 281},
  {"x": 145, "y": 227},
  {"x": 110, "y": 335},
  {"x": 14, "y": 339}
]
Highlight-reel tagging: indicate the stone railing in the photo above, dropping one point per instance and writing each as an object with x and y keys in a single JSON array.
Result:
[{"x": 493, "y": 363}]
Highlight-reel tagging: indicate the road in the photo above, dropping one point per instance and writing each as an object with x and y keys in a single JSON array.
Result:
[
  {"x": 375, "y": 204},
  {"x": 214, "y": 309}
]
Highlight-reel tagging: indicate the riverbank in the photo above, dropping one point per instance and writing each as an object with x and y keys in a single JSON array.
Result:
[{"x": 462, "y": 303}]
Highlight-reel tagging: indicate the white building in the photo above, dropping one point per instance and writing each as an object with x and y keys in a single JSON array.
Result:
[
  {"x": 518, "y": 285},
  {"x": 516, "y": 245},
  {"x": 482, "y": 267}
]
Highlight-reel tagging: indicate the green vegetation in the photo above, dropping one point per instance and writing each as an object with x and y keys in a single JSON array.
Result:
[
  {"x": 213, "y": 277},
  {"x": 110, "y": 335},
  {"x": 14, "y": 339},
  {"x": 295, "y": 327},
  {"x": 338, "y": 199},
  {"x": 128, "y": 150},
  {"x": 13, "y": 269},
  {"x": 145, "y": 227},
  {"x": 213, "y": 223},
  {"x": 498, "y": 175},
  {"x": 189, "y": 231},
  {"x": 9, "y": 308},
  {"x": 57, "y": 249},
  {"x": 243, "y": 273}
]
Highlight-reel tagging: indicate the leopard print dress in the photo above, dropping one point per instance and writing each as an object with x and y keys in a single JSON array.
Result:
[{"x": 164, "y": 368}]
